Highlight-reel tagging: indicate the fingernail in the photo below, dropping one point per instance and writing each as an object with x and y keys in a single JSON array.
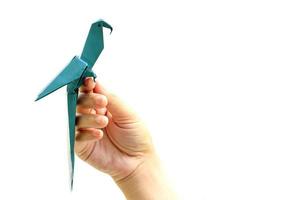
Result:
[
  {"x": 100, "y": 119},
  {"x": 86, "y": 80},
  {"x": 98, "y": 101},
  {"x": 101, "y": 101}
]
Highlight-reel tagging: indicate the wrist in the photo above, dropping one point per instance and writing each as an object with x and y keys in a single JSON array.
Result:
[{"x": 147, "y": 181}]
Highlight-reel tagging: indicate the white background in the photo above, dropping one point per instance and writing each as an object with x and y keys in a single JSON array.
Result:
[{"x": 217, "y": 82}]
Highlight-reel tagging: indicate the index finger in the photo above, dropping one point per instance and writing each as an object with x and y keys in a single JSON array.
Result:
[{"x": 88, "y": 85}]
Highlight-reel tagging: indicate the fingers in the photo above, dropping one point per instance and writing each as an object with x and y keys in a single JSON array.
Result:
[
  {"x": 115, "y": 105},
  {"x": 81, "y": 110},
  {"x": 91, "y": 108},
  {"x": 89, "y": 102},
  {"x": 88, "y": 85},
  {"x": 92, "y": 100},
  {"x": 96, "y": 98},
  {"x": 91, "y": 121},
  {"x": 89, "y": 134},
  {"x": 99, "y": 111}
]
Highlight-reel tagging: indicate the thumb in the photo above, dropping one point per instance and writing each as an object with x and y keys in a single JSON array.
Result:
[{"x": 119, "y": 110}]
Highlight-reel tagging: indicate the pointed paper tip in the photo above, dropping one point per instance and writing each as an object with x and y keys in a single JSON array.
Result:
[
  {"x": 71, "y": 188},
  {"x": 111, "y": 29},
  {"x": 38, "y": 98}
]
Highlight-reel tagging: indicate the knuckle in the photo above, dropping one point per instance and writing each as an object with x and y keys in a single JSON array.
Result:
[
  {"x": 100, "y": 100},
  {"x": 101, "y": 120}
]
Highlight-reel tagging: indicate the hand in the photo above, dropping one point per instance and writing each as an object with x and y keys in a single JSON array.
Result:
[{"x": 112, "y": 138}]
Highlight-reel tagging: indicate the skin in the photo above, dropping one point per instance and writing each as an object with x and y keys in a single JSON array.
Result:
[{"x": 113, "y": 139}]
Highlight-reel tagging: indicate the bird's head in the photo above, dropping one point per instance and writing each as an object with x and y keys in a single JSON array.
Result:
[
  {"x": 94, "y": 43},
  {"x": 101, "y": 23}
]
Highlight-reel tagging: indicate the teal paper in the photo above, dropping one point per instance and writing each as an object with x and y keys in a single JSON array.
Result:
[{"x": 74, "y": 74}]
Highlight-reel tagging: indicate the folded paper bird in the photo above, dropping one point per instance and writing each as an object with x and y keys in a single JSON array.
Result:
[{"x": 73, "y": 76}]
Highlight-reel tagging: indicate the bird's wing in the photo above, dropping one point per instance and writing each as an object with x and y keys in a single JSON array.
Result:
[
  {"x": 94, "y": 43},
  {"x": 71, "y": 72}
]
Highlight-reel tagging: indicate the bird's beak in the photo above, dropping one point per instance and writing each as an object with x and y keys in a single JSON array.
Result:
[{"x": 105, "y": 24}]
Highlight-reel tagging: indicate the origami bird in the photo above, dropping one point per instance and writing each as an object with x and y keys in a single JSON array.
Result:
[{"x": 73, "y": 76}]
